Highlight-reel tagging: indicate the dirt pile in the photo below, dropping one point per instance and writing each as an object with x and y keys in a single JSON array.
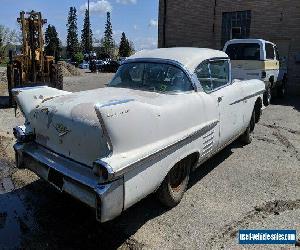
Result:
[
  {"x": 3, "y": 78},
  {"x": 69, "y": 69}
]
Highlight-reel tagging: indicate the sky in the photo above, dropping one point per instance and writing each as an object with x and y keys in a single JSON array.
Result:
[{"x": 137, "y": 18}]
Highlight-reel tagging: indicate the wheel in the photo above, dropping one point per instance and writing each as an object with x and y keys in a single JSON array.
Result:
[
  {"x": 267, "y": 96},
  {"x": 246, "y": 138},
  {"x": 175, "y": 184},
  {"x": 258, "y": 111},
  {"x": 281, "y": 90},
  {"x": 56, "y": 76}
]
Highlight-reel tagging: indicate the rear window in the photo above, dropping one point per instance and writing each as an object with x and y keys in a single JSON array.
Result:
[{"x": 243, "y": 51}]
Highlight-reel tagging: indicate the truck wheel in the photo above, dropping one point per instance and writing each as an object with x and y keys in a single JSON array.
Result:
[
  {"x": 246, "y": 138},
  {"x": 267, "y": 96},
  {"x": 175, "y": 184},
  {"x": 281, "y": 90}
]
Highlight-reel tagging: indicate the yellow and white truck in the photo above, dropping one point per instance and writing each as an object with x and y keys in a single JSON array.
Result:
[{"x": 258, "y": 59}]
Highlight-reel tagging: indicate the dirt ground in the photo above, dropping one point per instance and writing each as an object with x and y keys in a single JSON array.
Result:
[{"x": 256, "y": 186}]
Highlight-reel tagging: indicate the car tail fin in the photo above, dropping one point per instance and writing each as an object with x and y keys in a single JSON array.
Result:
[{"x": 28, "y": 98}]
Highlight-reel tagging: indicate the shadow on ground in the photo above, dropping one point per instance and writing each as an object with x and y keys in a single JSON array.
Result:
[
  {"x": 4, "y": 102},
  {"x": 37, "y": 216},
  {"x": 293, "y": 101}
]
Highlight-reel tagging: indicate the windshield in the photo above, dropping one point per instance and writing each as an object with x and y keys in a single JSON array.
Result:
[
  {"x": 243, "y": 51},
  {"x": 160, "y": 77}
]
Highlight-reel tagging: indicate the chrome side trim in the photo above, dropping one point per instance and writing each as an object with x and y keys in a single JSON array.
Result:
[
  {"x": 114, "y": 103},
  {"x": 105, "y": 133},
  {"x": 248, "y": 97},
  {"x": 161, "y": 153}
]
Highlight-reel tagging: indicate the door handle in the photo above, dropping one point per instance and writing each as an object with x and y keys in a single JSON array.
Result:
[{"x": 220, "y": 98}]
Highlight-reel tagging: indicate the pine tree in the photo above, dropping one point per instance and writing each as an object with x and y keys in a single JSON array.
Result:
[
  {"x": 86, "y": 34},
  {"x": 52, "y": 43},
  {"x": 108, "y": 42},
  {"x": 72, "y": 38},
  {"x": 124, "y": 48}
]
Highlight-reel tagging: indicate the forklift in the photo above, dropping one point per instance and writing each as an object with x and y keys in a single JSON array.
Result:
[{"x": 32, "y": 67}]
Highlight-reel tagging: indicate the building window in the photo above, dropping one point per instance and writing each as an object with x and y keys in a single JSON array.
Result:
[
  {"x": 236, "y": 32},
  {"x": 235, "y": 25}
]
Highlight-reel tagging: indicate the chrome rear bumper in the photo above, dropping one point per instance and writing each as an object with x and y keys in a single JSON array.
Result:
[{"x": 73, "y": 178}]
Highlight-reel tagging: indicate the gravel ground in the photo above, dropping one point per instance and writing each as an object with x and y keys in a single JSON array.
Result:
[{"x": 256, "y": 186}]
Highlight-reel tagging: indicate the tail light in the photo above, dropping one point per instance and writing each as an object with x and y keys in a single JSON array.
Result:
[
  {"x": 23, "y": 134},
  {"x": 103, "y": 171}
]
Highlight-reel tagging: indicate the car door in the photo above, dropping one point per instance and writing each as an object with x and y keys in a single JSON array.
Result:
[{"x": 225, "y": 95}]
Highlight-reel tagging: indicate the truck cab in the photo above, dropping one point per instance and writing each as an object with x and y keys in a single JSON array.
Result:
[{"x": 258, "y": 59}]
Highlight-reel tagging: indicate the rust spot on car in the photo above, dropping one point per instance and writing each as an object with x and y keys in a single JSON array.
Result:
[
  {"x": 48, "y": 99},
  {"x": 45, "y": 110}
]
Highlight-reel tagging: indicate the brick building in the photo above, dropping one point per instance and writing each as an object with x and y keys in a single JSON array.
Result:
[{"x": 210, "y": 23}]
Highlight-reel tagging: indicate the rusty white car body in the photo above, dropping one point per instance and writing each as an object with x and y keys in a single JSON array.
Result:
[{"x": 113, "y": 146}]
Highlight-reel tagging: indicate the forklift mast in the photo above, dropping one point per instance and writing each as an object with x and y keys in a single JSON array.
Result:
[{"x": 33, "y": 43}]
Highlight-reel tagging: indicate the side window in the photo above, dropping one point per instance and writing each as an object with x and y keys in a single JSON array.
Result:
[
  {"x": 219, "y": 73},
  {"x": 213, "y": 75},
  {"x": 203, "y": 75},
  {"x": 269, "y": 51}
]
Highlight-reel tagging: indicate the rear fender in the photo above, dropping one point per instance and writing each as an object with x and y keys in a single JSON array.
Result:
[{"x": 28, "y": 98}]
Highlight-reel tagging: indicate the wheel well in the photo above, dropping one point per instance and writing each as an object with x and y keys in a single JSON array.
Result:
[
  {"x": 271, "y": 80},
  {"x": 257, "y": 109},
  {"x": 193, "y": 158}
]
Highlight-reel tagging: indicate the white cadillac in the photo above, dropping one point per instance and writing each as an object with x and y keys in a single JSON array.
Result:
[{"x": 163, "y": 114}]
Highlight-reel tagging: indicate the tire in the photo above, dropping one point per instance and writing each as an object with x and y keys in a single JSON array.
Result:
[
  {"x": 175, "y": 184},
  {"x": 258, "y": 111},
  {"x": 267, "y": 96},
  {"x": 246, "y": 138},
  {"x": 56, "y": 77},
  {"x": 281, "y": 90}
]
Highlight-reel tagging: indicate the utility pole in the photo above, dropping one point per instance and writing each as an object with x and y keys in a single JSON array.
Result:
[{"x": 89, "y": 25}]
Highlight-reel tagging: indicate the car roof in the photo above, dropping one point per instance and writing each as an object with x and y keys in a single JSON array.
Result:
[
  {"x": 190, "y": 58},
  {"x": 248, "y": 40}
]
